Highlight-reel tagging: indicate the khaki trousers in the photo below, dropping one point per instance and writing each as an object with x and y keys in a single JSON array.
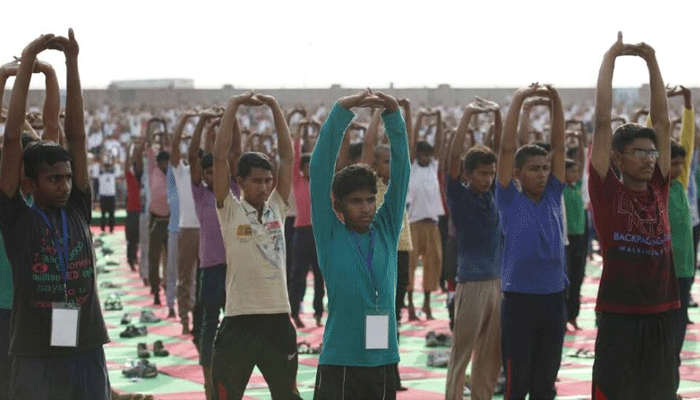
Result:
[
  {"x": 427, "y": 244},
  {"x": 477, "y": 332}
]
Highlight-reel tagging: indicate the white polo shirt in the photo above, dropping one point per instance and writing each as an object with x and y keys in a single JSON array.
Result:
[{"x": 256, "y": 277}]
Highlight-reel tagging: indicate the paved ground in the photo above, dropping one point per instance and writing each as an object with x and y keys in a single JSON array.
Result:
[{"x": 181, "y": 377}]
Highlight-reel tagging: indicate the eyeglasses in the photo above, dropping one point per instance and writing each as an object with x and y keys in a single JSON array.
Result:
[{"x": 642, "y": 154}]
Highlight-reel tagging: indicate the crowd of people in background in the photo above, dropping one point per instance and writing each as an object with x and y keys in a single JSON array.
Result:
[{"x": 229, "y": 207}]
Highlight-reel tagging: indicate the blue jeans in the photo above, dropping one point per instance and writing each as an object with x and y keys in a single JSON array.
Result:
[{"x": 212, "y": 297}]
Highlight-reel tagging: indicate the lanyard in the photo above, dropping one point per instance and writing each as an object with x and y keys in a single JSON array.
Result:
[
  {"x": 61, "y": 248},
  {"x": 369, "y": 256}
]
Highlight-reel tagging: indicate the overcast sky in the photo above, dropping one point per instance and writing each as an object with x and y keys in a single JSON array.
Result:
[{"x": 316, "y": 43}]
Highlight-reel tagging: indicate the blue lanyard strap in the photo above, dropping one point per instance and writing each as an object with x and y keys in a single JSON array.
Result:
[
  {"x": 368, "y": 258},
  {"x": 61, "y": 248}
]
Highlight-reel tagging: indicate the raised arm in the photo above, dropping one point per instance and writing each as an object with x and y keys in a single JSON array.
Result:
[
  {"x": 687, "y": 130},
  {"x": 285, "y": 148},
  {"x": 658, "y": 106},
  {"x": 557, "y": 136},
  {"x": 405, "y": 105},
  {"x": 6, "y": 71},
  {"x": 492, "y": 106},
  {"x": 506, "y": 155},
  {"x": 323, "y": 161},
  {"x": 454, "y": 164},
  {"x": 414, "y": 134},
  {"x": 580, "y": 135},
  {"x": 395, "y": 197},
  {"x": 369, "y": 142},
  {"x": 222, "y": 171},
  {"x": 236, "y": 149},
  {"x": 439, "y": 139},
  {"x": 195, "y": 143},
  {"x": 11, "y": 159},
  {"x": 175, "y": 154},
  {"x": 52, "y": 102},
  {"x": 75, "y": 113},
  {"x": 602, "y": 134}
]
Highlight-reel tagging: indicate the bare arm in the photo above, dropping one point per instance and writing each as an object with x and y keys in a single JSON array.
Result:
[
  {"x": 557, "y": 138},
  {"x": 175, "y": 154},
  {"x": 602, "y": 135},
  {"x": 222, "y": 146},
  {"x": 52, "y": 102},
  {"x": 454, "y": 166},
  {"x": 506, "y": 156},
  {"x": 75, "y": 118},
  {"x": 11, "y": 159},
  {"x": 439, "y": 140},
  {"x": 658, "y": 108},
  {"x": 371, "y": 137},
  {"x": 193, "y": 150},
  {"x": 284, "y": 147}
]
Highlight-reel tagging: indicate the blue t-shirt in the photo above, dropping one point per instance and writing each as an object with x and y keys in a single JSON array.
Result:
[
  {"x": 533, "y": 253},
  {"x": 171, "y": 190},
  {"x": 479, "y": 239}
]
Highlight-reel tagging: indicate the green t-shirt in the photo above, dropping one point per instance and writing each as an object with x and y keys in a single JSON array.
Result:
[
  {"x": 681, "y": 230},
  {"x": 5, "y": 278},
  {"x": 575, "y": 212}
]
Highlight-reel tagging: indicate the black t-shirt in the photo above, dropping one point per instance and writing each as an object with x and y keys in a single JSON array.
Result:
[{"x": 31, "y": 249}]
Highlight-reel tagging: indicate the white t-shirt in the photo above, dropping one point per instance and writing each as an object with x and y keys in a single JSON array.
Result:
[
  {"x": 256, "y": 278},
  {"x": 108, "y": 186},
  {"x": 183, "y": 182},
  {"x": 424, "y": 193}
]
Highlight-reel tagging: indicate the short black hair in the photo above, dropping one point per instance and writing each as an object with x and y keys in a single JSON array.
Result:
[
  {"x": 250, "y": 160},
  {"x": 353, "y": 178},
  {"x": 355, "y": 151},
  {"x": 27, "y": 139},
  {"x": 423, "y": 147},
  {"x": 544, "y": 146},
  {"x": 527, "y": 151},
  {"x": 677, "y": 150},
  {"x": 163, "y": 156},
  {"x": 627, "y": 133},
  {"x": 476, "y": 156},
  {"x": 305, "y": 159},
  {"x": 207, "y": 161},
  {"x": 42, "y": 152}
]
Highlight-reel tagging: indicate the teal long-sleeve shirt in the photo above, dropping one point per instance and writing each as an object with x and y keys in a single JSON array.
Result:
[{"x": 342, "y": 253}]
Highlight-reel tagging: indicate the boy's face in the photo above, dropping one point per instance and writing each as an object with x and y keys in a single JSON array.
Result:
[
  {"x": 382, "y": 164},
  {"x": 676, "y": 167},
  {"x": 424, "y": 158},
  {"x": 482, "y": 177},
  {"x": 256, "y": 186},
  {"x": 533, "y": 175},
  {"x": 358, "y": 209},
  {"x": 571, "y": 175},
  {"x": 52, "y": 186},
  {"x": 304, "y": 169},
  {"x": 633, "y": 167},
  {"x": 208, "y": 176}
]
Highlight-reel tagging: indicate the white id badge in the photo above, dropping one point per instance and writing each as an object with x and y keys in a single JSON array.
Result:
[
  {"x": 376, "y": 331},
  {"x": 64, "y": 324}
]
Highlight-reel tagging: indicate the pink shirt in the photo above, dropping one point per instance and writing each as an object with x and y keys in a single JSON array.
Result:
[
  {"x": 158, "y": 188},
  {"x": 301, "y": 191}
]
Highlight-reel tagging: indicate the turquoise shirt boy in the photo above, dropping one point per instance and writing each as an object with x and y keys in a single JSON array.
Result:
[{"x": 342, "y": 254}]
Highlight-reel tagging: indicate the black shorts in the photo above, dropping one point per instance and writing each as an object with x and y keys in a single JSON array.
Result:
[
  {"x": 635, "y": 357},
  {"x": 336, "y": 382}
]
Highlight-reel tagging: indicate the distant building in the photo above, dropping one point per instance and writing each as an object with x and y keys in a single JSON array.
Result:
[{"x": 152, "y": 84}]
